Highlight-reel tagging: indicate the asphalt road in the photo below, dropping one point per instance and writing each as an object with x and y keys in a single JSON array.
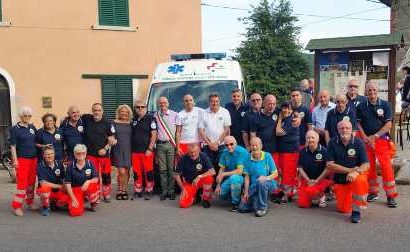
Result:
[{"x": 160, "y": 226}]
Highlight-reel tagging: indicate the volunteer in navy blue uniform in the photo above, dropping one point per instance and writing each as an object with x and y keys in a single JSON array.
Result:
[
  {"x": 375, "y": 121},
  {"x": 264, "y": 126},
  {"x": 312, "y": 172},
  {"x": 346, "y": 157},
  {"x": 72, "y": 129},
  {"x": 288, "y": 149},
  {"x": 50, "y": 174},
  {"x": 352, "y": 95},
  {"x": 81, "y": 182},
  {"x": 24, "y": 155},
  {"x": 260, "y": 174},
  {"x": 193, "y": 172},
  {"x": 335, "y": 115},
  {"x": 249, "y": 117},
  {"x": 98, "y": 135},
  {"x": 303, "y": 113},
  {"x": 237, "y": 109},
  {"x": 144, "y": 136},
  {"x": 50, "y": 135}
]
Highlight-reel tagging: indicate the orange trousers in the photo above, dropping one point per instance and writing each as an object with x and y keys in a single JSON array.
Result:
[
  {"x": 103, "y": 167},
  {"x": 91, "y": 194},
  {"x": 287, "y": 166},
  {"x": 26, "y": 173},
  {"x": 306, "y": 193},
  {"x": 47, "y": 195},
  {"x": 188, "y": 194},
  {"x": 143, "y": 167},
  {"x": 381, "y": 152},
  {"x": 352, "y": 195}
]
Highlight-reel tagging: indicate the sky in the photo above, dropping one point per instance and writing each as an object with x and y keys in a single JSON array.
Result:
[{"x": 221, "y": 30}]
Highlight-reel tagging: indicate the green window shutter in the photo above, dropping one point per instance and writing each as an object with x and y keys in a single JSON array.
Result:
[
  {"x": 115, "y": 91},
  {"x": 113, "y": 12},
  {"x": 1, "y": 18}
]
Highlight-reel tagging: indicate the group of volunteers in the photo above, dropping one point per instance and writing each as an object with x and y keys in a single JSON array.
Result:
[{"x": 245, "y": 153}]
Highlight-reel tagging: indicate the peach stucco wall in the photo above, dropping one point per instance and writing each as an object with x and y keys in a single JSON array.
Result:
[{"x": 50, "y": 44}]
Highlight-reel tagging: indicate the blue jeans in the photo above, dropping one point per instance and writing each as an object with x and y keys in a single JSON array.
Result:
[
  {"x": 231, "y": 189},
  {"x": 258, "y": 196}
]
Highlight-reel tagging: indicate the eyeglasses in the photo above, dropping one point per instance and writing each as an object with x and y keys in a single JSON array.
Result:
[
  {"x": 80, "y": 153},
  {"x": 229, "y": 144},
  {"x": 140, "y": 107},
  {"x": 353, "y": 86},
  {"x": 255, "y": 100},
  {"x": 340, "y": 101}
]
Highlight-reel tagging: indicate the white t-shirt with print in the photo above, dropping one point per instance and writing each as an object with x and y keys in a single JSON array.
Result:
[{"x": 190, "y": 124}]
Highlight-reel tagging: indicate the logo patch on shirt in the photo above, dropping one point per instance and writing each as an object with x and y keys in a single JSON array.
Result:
[
  {"x": 274, "y": 117},
  {"x": 57, "y": 136},
  {"x": 302, "y": 114},
  {"x": 80, "y": 128},
  {"x": 88, "y": 172},
  {"x": 31, "y": 131},
  {"x": 112, "y": 129},
  {"x": 380, "y": 112},
  {"x": 351, "y": 152},
  {"x": 346, "y": 118},
  {"x": 153, "y": 125},
  {"x": 220, "y": 118},
  {"x": 242, "y": 114},
  {"x": 319, "y": 156},
  {"x": 199, "y": 167},
  {"x": 57, "y": 172}
]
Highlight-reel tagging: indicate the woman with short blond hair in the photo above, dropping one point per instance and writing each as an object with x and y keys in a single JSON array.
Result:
[{"x": 122, "y": 150}]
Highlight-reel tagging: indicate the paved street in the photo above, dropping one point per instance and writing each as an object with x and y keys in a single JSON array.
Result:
[{"x": 160, "y": 226}]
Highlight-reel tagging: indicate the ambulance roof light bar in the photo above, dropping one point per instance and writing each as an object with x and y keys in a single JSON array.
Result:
[{"x": 184, "y": 57}]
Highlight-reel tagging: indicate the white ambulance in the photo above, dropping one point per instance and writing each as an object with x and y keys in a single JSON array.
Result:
[{"x": 195, "y": 74}]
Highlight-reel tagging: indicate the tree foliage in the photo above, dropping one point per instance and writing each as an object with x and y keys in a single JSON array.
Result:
[{"x": 270, "y": 54}]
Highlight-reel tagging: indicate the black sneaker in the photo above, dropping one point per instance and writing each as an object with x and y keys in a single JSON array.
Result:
[
  {"x": 391, "y": 202},
  {"x": 206, "y": 203},
  {"x": 233, "y": 208},
  {"x": 356, "y": 218},
  {"x": 136, "y": 195},
  {"x": 372, "y": 197},
  {"x": 147, "y": 195},
  {"x": 278, "y": 198},
  {"x": 171, "y": 196},
  {"x": 162, "y": 197}
]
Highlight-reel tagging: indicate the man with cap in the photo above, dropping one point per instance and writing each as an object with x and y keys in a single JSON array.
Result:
[
  {"x": 229, "y": 180},
  {"x": 375, "y": 121},
  {"x": 346, "y": 157}
]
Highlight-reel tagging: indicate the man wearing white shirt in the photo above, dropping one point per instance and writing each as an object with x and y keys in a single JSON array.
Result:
[
  {"x": 213, "y": 128},
  {"x": 187, "y": 124},
  {"x": 319, "y": 113}
]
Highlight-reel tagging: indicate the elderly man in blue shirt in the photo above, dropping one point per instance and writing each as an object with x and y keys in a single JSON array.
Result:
[
  {"x": 319, "y": 113},
  {"x": 229, "y": 180}
]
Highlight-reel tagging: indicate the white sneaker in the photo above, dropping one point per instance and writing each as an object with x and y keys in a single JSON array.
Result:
[{"x": 322, "y": 201}]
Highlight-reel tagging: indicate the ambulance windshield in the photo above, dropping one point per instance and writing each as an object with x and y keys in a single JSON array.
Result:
[{"x": 200, "y": 90}]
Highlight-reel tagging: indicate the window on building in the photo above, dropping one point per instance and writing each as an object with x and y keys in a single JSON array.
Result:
[
  {"x": 115, "y": 91},
  {"x": 113, "y": 12}
]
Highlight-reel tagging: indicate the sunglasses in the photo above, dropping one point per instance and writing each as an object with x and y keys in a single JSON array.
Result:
[
  {"x": 140, "y": 107},
  {"x": 229, "y": 144}
]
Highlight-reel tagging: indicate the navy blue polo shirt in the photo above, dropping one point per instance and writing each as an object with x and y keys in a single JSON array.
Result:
[
  {"x": 237, "y": 116},
  {"x": 306, "y": 116},
  {"x": 53, "y": 175},
  {"x": 290, "y": 141},
  {"x": 248, "y": 119},
  {"x": 334, "y": 117},
  {"x": 56, "y": 139},
  {"x": 265, "y": 128},
  {"x": 189, "y": 169},
  {"x": 354, "y": 103},
  {"x": 372, "y": 117},
  {"x": 141, "y": 132},
  {"x": 77, "y": 177},
  {"x": 313, "y": 163},
  {"x": 350, "y": 156},
  {"x": 72, "y": 135},
  {"x": 24, "y": 138},
  {"x": 96, "y": 133}
]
